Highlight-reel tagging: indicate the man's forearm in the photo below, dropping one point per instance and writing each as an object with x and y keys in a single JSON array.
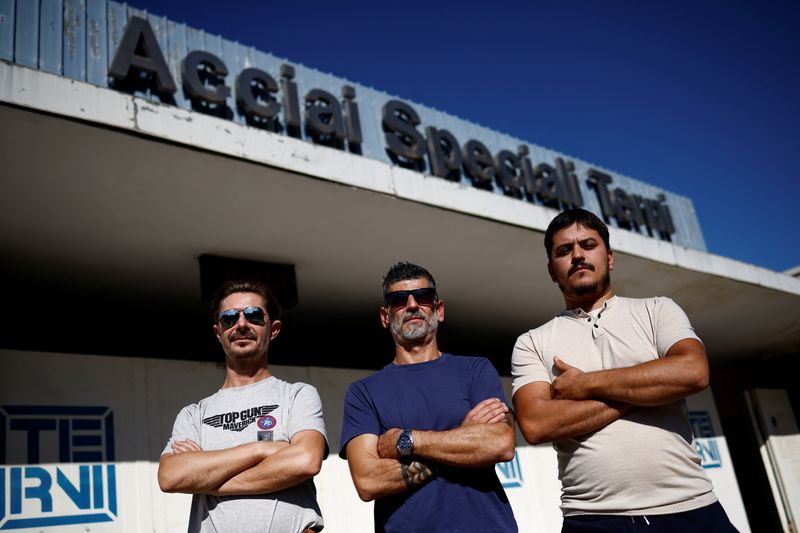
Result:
[
  {"x": 390, "y": 476},
  {"x": 472, "y": 445},
  {"x": 287, "y": 467},
  {"x": 375, "y": 477},
  {"x": 542, "y": 419},
  {"x": 197, "y": 472},
  {"x": 682, "y": 372},
  {"x": 649, "y": 384}
]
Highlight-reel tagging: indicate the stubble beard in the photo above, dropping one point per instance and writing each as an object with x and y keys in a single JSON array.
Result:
[
  {"x": 252, "y": 352},
  {"x": 249, "y": 353},
  {"x": 594, "y": 288}
]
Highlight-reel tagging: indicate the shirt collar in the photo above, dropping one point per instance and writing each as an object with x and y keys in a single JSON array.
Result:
[{"x": 580, "y": 313}]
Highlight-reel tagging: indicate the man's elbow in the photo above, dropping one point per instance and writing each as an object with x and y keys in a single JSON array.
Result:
[
  {"x": 167, "y": 487},
  {"x": 536, "y": 437},
  {"x": 533, "y": 416},
  {"x": 694, "y": 373},
  {"x": 166, "y": 482},
  {"x": 700, "y": 382},
  {"x": 506, "y": 446},
  {"x": 534, "y": 433},
  {"x": 506, "y": 453},
  {"x": 367, "y": 486},
  {"x": 698, "y": 378},
  {"x": 313, "y": 465},
  {"x": 366, "y": 491},
  {"x": 366, "y": 496},
  {"x": 309, "y": 464},
  {"x": 172, "y": 479}
]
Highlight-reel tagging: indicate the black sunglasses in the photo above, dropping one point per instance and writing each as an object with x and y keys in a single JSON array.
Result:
[
  {"x": 396, "y": 299},
  {"x": 229, "y": 317}
]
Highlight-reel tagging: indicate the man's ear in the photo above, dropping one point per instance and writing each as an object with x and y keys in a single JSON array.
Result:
[
  {"x": 440, "y": 310},
  {"x": 384, "y": 314},
  {"x": 550, "y": 270},
  {"x": 217, "y": 332},
  {"x": 610, "y": 260},
  {"x": 275, "y": 329}
]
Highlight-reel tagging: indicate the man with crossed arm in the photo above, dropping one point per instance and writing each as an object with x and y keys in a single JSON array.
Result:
[
  {"x": 605, "y": 381},
  {"x": 248, "y": 452},
  {"x": 423, "y": 434}
]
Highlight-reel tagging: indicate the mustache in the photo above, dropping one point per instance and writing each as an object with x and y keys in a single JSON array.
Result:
[
  {"x": 580, "y": 265},
  {"x": 413, "y": 314},
  {"x": 244, "y": 335}
]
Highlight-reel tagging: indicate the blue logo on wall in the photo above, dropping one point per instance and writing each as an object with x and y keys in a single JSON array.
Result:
[
  {"x": 705, "y": 439},
  {"x": 510, "y": 473},
  {"x": 56, "y": 466}
]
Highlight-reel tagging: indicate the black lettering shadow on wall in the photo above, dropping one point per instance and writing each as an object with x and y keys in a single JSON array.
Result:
[{"x": 141, "y": 82}]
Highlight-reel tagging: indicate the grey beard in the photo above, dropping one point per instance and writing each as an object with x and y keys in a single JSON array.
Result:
[{"x": 415, "y": 331}]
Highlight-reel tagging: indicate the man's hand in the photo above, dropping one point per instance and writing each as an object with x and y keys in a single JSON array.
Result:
[
  {"x": 387, "y": 444},
  {"x": 188, "y": 445},
  {"x": 489, "y": 411},
  {"x": 570, "y": 384}
]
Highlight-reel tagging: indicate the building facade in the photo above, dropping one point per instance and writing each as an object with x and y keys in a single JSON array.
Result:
[{"x": 144, "y": 161}]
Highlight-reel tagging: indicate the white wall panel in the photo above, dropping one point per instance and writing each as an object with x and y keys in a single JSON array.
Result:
[{"x": 49, "y": 405}]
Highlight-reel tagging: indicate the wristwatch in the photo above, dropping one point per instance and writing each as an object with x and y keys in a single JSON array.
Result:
[{"x": 405, "y": 444}]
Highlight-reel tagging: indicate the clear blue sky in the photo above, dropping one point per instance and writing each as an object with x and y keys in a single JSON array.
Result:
[{"x": 699, "y": 98}]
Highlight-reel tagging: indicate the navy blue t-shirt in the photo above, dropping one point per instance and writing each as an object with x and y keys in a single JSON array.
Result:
[{"x": 435, "y": 395}]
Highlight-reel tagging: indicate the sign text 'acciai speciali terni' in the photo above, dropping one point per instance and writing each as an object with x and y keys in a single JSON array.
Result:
[{"x": 275, "y": 105}]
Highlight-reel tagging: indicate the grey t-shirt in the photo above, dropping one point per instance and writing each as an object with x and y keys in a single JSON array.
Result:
[{"x": 270, "y": 409}]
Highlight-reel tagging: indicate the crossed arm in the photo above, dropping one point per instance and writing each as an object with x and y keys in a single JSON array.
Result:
[
  {"x": 579, "y": 402},
  {"x": 254, "y": 468},
  {"x": 485, "y": 437}
]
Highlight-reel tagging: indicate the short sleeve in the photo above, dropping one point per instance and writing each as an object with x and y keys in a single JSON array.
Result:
[
  {"x": 527, "y": 365},
  {"x": 672, "y": 325},
  {"x": 184, "y": 428},
  {"x": 360, "y": 416},
  {"x": 485, "y": 382},
  {"x": 306, "y": 412}
]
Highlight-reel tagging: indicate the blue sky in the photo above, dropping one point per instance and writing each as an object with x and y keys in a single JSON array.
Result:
[{"x": 699, "y": 98}]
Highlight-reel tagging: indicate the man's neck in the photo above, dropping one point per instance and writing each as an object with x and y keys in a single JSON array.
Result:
[
  {"x": 418, "y": 353},
  {"x": 588, "y": 303},
  {"x": 239, "y": 377}
]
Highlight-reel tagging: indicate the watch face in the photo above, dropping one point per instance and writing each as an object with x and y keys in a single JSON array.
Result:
[{"x": 405, "y": 444}]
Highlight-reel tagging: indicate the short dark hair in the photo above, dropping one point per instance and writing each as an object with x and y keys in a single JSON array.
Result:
[
  {"x": 402, "y": 271},
  {"x": 251, "y": 285},
  {"x": 567, "y": 218}
]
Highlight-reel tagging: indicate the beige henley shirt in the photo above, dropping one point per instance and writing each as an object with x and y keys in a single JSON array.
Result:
[{"x": 645, "y": 462}]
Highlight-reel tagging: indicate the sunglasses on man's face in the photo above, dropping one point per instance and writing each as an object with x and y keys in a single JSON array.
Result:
[
  {"x": 397, "y": 299},
  {"x": 229, "y": 317}
]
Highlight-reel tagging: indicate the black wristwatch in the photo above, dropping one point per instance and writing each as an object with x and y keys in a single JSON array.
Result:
[{"x": 405, "y": 444}]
